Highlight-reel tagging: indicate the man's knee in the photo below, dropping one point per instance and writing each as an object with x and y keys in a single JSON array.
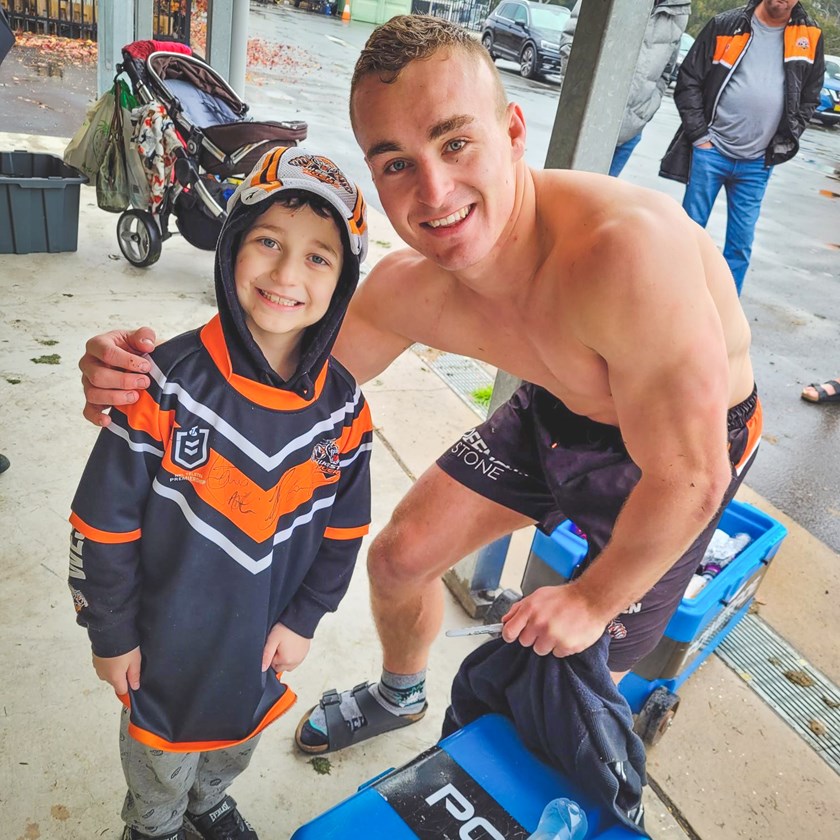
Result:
[{"x": 399, "y": 555}]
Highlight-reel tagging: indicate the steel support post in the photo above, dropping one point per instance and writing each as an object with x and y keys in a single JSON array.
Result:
[
  {"x": 115, "y": 29},
  {"x": 227, "y": 40}
]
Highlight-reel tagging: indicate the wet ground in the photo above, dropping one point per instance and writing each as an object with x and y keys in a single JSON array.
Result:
[{"x": 791, "y": 293}]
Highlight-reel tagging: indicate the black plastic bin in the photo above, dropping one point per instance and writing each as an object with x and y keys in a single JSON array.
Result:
[{"x": 39, "y": 204}]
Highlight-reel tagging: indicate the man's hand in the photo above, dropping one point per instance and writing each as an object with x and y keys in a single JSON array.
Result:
[
  {"x": 554, "y": 619},
  {"x": 119, "y": 671},
  {"x": 284, "y": 649},
  {"x": 111, "y": 370}
]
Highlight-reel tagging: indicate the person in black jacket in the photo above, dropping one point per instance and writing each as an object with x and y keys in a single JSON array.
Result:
[{"x": 745, "y": 93}]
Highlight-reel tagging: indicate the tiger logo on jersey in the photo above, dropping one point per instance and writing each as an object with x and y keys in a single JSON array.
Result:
[
  {"x": 323, "y": 169},
  {"x": 325, "y": 455}
]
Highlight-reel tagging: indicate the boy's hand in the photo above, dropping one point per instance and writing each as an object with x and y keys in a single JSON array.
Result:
[
  {"x": 284, "y": 649},
  {"x": 119, "y": 671},
  {"x": 112, "y": 370}
]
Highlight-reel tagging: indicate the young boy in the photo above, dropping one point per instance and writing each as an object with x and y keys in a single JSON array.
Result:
[{"x": 219, "y": 517}]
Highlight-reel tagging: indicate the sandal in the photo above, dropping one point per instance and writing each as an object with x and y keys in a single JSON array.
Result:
[
  {"x": 343, "y": 733},
  {"x": 822, "y": 395}
]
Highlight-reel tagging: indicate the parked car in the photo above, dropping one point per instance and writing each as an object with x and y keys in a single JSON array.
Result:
[
  {"x": 828, "y": 111},
  {"x": 527, "y": 32},
  {"x": 686, "y": 42}
]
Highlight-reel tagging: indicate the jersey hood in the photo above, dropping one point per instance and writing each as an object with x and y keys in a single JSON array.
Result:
[{"x": 281, "y": 170}]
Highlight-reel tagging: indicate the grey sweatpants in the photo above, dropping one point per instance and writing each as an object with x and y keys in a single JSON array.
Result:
[{"x": 163, "y": 785}]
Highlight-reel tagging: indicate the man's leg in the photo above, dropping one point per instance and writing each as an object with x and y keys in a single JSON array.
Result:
[
  {"x": 439, "y": 522},
  {"x": 709, "y": 169},
  {"x": 622, "y": 154},
  {"x": 744, "y": 194}
]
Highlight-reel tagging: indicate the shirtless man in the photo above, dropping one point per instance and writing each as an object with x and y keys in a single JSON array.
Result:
[{"x": 616, "y": 310}]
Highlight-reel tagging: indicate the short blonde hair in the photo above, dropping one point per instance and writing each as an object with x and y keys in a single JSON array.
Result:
[{"x": 407, "y": 38}]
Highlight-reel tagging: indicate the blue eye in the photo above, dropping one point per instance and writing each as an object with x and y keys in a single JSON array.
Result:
[
  {"x": 269, "y": 243},
  {"x": 319, "y": 260},
  {"x": 396, "y": 166},
  {"x": 456, "y": 145}
]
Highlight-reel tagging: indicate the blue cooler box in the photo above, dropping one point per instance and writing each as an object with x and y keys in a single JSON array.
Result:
[
  {"x": 478, "y": 782},
  {"x": 701, "y": 623}
]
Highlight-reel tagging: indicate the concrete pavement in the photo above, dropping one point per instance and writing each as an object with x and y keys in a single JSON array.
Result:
[{"x": 730, "y": 767}]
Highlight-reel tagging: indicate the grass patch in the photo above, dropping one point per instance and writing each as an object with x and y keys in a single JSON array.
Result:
[
  {"x": 321, "y": 765},
  {"x": 481, "y": 396},
  {"x": 12, "y": 381},
  {"x": 52, "y": 359},
  {"x": 47, "y": 342}
]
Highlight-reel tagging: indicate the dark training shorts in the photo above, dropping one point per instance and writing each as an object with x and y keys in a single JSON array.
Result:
[{"x": 536, "y": 457}]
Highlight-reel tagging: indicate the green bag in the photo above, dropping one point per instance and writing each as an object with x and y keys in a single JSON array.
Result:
[
  {"x": 112, "y": 192},
  {"x": 87, "y": 148}
]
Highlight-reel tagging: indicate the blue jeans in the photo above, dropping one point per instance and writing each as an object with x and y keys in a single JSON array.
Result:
[
  {"x": 622, "y": 154},
  {"x": 745, "y": 182}
]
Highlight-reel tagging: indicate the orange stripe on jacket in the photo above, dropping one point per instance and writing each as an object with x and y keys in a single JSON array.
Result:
[
  {"x": 346, "y": 533},
  {"x": 146, "y": 416},
  {"x": 728, "y": 48},
  {"x": 245, "y": 503},
  {"x": 801, "y": 43},
  {"x": 157, "y": 743},
  {"x": 351, "y": 437},
  {"x": 108, "y": 537}
]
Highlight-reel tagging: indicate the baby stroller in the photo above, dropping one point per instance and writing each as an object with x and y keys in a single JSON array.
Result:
[{"x": 215, "y": 144}]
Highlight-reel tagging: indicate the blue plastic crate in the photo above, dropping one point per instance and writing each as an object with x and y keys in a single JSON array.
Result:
[
  {"x": 700, "y": 623},
  {"x": 477, "y": 781}
]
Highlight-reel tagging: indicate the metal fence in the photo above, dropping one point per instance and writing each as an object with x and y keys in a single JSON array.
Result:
[
  {"x": 77, "y": 18},
  {"x": 469, "y": 13}
]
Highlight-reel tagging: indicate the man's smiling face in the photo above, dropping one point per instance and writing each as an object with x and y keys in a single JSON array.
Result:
[{"x": 443, "y": 155}]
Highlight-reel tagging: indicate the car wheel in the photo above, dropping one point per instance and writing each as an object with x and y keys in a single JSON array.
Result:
[
  {"x": 487, "y": 42},
  {"x": 528, "y": 62},
  {"x": 138, "y": 236}
]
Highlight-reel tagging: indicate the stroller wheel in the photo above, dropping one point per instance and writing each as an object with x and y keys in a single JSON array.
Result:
[{"x": 139, "y": 237}]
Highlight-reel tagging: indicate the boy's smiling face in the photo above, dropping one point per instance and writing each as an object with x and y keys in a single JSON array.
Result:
[{"x": 286, "y": 271}]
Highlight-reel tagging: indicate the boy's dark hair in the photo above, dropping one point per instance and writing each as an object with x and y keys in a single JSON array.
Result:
[{"x": 295, "y": 199}]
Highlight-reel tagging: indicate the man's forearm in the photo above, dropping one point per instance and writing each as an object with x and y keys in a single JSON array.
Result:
[{"x": 656, "y": 526}]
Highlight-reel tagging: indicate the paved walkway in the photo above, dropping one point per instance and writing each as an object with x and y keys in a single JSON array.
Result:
[{"x": 730, "y": 766}]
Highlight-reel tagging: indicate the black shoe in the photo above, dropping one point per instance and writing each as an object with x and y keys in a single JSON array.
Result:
[
  {"x": 222, "y": 822},
  {"x": 133, "y": 834}
]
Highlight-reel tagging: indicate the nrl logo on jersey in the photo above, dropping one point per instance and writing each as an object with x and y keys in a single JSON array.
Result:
[
  {"x": 190, "y": 449},
  {"x": 325, "y": 455}
]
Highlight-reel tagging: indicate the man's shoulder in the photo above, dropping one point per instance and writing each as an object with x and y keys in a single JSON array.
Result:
[{"x": 401, "y": 270}]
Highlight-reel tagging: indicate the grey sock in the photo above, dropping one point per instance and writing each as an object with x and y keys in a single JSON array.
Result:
[{"x": 399, "y": 694}]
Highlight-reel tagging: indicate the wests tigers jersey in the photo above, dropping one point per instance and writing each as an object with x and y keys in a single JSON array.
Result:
[{"x": 209, "y": 510}]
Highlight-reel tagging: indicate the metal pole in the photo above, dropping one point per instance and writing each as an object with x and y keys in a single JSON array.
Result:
[
  {"x": 227, "y": 40},
  {"x": 604, "y": 54},
  {"x": 143, "y": 14},
  {"x": 115, "y": 29}
]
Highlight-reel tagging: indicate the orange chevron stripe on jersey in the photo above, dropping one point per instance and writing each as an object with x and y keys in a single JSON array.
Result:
[
  {"x": 346, "y": 533},
  {"x": 265, "y": 395},
  {"x": 242, "y": 501},
  {"x": 146, "y": 416},
  {"x": 754, "y": 425},
  {"x": 108, "y": 537},
  {"x": 351, "y": 437},
  {"x": 728, "y": 48},
  {"x": 157, "y": 743},
  {"x": 801, "y": 43}
]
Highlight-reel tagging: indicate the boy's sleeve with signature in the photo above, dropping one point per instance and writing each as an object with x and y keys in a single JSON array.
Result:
[
  {"x": 327, "y": 580},
  {"x": 107, "y": 515}
]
